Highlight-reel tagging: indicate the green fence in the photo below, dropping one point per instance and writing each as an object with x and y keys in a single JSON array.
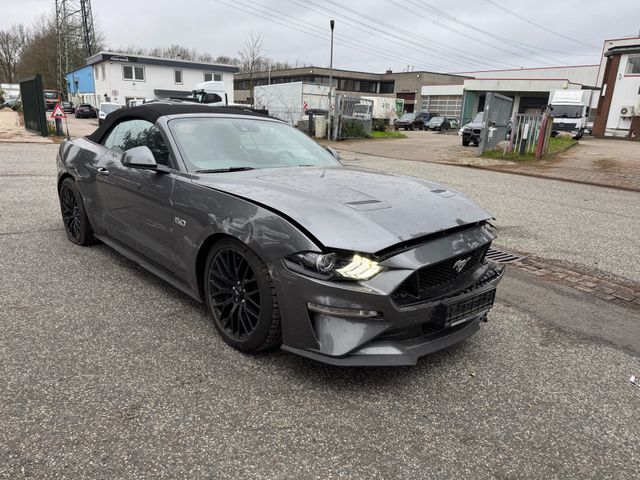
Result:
[{"x": 35, "y": 114}]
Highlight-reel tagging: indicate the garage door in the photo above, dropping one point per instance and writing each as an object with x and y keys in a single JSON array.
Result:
[{"x": 445, "y": 105}]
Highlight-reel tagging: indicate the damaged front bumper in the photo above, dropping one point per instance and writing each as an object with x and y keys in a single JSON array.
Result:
[{"x": 369, "y": 324}]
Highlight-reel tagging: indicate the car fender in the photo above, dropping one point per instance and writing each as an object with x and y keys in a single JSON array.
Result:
[{"x": 267, "y": 232}]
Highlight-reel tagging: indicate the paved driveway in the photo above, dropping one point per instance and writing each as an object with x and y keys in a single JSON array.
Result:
[
  {"x": 107, "y": 372},
  {"x": 597, "y": 161}
]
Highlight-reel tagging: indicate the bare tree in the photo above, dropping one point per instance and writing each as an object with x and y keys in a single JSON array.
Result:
[
  {"x": 13, "y": 43},
  {"x": 252, "y": 57}
]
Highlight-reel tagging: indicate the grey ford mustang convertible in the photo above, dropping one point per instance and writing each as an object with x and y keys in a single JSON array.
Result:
[{"x": 283, "y": 244}]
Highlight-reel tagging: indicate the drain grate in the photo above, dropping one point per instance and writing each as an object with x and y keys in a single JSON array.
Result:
[{"x": 498, "y": 255}]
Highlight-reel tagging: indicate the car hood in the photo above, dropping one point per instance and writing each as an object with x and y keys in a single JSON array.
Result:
[{"x": 352, "y": 209}]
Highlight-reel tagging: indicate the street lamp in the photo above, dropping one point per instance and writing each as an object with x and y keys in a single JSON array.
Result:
[{"x": 332, "y": 23}]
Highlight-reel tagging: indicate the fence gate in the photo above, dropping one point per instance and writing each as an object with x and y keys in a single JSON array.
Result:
[
  {"x": 497, "y": 113},
  {"x": 349, "y": 122},
  {"x": 35, "y": 114}
]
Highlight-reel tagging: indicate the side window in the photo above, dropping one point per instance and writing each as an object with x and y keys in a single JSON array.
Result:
[
  {"x": 111, "y": 138},
  {"x": 136, "y": 133}
]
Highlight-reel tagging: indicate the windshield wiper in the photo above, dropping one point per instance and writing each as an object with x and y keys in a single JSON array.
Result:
[{"x": 224, "y": 170}]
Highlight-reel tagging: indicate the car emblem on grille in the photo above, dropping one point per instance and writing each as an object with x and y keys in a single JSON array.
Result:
[{"x": 459, "y": 265}]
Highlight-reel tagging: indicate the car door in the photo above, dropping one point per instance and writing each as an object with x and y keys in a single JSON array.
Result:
[{"x": 136, "y": 202}]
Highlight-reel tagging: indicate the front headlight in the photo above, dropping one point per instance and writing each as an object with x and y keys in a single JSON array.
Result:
[{"x": 328, "y": 266}]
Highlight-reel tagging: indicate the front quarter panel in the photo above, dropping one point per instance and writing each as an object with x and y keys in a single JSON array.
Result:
[{"x": 200, "y": 212}]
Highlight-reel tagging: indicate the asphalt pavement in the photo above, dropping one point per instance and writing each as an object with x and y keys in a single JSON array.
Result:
[{"x": 108, "y": 372}]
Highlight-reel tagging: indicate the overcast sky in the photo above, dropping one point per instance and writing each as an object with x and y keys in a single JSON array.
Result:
[{"x": 373, "y": 35}]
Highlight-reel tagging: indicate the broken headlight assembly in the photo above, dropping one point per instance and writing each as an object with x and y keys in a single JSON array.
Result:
[{"x": 334, "y": 266}]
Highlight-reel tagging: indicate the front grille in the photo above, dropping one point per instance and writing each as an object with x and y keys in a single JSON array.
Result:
[
  {"x": 564, "y": 127},
  {"x": 477, "y": 131},
  {"x": 429, "y": 281}
]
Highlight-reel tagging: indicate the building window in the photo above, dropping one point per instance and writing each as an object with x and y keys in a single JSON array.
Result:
[
  {"x": 103, "y": 70},
  {"x": 130, "y": 72},
  {"x": 208, "y": 77},
  {"x": 177, "y": 77},
  {"x": 633, "y": 67},
  {"x": 95, "y": 72},
  {"x": 387, "y": 87}
]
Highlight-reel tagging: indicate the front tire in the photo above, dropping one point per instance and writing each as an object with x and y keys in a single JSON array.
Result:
[
  {"x": 74, "y": 216},
  {"x": 241, "y": 298}
]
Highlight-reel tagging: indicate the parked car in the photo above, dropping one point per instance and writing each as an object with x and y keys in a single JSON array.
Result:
[
  {"x": 411, "y": 121},
  {"x": 84, "y": 110},
  {"x": 471, "y": 131},
  {"x": 68, "y": 106},
  {"x": 51, "y": 98},
  {"x": 10, "y": 102},
  {"x": 105, "y": 109},
  {"x": 437, "y": 123},
  {"x": 283, "y": 244}
]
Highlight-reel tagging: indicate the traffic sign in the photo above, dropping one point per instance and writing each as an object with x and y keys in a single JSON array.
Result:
[{"x": 58, "y": 112}]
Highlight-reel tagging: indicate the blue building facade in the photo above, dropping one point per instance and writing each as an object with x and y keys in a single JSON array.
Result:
[{"x": 80, "y": 85}]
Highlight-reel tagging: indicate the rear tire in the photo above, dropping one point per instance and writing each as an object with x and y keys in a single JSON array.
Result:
[
  {"x": 74, "y": 216},
  {"x": 241, "y": 298}
]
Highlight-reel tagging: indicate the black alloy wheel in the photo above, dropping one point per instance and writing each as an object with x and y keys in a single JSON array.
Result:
[
  {"x": 74, "y": 217},
  {"x": 241, "y": 298}
]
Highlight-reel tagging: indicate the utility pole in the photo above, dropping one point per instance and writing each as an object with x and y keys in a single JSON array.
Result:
[
  {"x": 329, "y": 123},
  {"x": 74, "y": 26}
]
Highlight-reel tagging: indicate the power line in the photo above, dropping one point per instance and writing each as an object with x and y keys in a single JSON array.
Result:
[
  {"x": 279, "y": 14},
  {"x": 542, "y": 27},
  {"x": 477, "y": 29},
  {"x": 306, "y": 31},
  {"x": 357, "y": 25},
  {"x": 448, "y": 51},
  {"x": 518, "y": 44}
]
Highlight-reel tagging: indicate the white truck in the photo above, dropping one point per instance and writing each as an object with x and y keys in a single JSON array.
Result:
[
  {"x": 290, "y": 101},
  {"x": 384, "y": 108},
  {"x": 212, "y": 93},
  {"x": 570, "y": 110}
]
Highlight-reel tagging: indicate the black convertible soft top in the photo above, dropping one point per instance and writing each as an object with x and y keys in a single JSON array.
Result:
[{"x": 154, "y": 110}]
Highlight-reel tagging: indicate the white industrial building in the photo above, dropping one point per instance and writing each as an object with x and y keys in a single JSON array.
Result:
[
  {"x": 529, "y": 87},
  {"x": 119, "y": 77}
]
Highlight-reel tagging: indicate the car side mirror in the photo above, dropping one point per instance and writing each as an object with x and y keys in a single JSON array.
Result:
[
  {"x": 333, "y": 152},
  {"x": 139, "y": 157}
]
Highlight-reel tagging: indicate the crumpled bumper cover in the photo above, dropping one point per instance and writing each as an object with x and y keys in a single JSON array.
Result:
[
  {"x": 400, "y": 334},
  {"x": 397, "y": 353}
]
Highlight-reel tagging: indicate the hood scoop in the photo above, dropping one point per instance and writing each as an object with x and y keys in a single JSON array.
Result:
[{"x": 368, "y": 205}]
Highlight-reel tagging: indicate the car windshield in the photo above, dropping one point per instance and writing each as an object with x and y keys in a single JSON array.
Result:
[
  {"x": 50, "y": 95},
  {"x": 230, "y": 143},
  {"x": 478, "y": 117},
  {"x": 408, "y": 116},
  {"x": 109, "y": 107},
  {"x": 566, "y": 111}
]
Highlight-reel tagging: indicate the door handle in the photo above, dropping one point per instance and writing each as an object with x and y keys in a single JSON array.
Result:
[{"x": 104, "y": 171}]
